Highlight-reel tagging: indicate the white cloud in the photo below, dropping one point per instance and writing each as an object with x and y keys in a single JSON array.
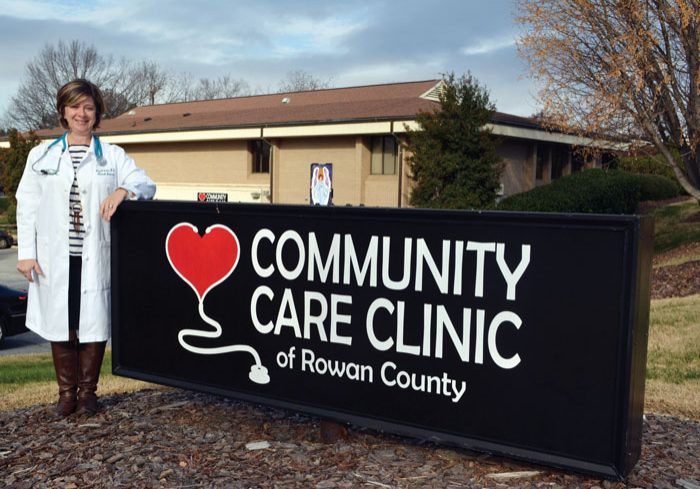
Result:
[
  {"x": 298, "y": 35},
  {"x": 78, "y": 11},
  {"x": 486, "y": 46},
  {"x": 353, "y": 42},
  {"x": 390, "y": 72}
]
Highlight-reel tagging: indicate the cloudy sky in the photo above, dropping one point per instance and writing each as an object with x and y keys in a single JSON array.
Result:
[{"x": 352, "y": 42}]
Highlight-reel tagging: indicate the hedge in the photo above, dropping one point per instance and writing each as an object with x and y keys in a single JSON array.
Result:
[
  {"x": 656, "y": 187},
  {"x": 646, "y": 165},
  {"x": 592, "y": 191}
]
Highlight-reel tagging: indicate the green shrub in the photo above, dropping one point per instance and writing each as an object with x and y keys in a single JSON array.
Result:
[
  {"x": 11, "y": 212},
  {"x": 647, "y": 165},
  {"x": 656, "y": 187},
  {"x": 8, "y": 210},
  {"x": 590, "y": 191}
]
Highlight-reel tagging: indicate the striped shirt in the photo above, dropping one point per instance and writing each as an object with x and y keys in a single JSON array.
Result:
[{"x": 76, "y": 231}]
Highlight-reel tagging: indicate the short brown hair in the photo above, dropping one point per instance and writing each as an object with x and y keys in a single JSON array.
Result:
[{"x": 72, "y": 92}]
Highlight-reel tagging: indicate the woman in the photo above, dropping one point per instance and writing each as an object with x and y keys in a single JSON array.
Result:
[{"x": 69, "y": 191}]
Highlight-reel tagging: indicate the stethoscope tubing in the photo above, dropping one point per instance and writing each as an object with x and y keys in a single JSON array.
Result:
[{"x": 64, "y": 145}]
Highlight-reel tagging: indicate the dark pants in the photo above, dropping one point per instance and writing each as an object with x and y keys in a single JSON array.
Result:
[{"x": 76, "y": 265}]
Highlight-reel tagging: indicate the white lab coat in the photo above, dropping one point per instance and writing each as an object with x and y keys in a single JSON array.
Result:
[{"x": 43, "y": 221}]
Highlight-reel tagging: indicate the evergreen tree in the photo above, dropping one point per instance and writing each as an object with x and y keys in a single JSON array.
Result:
[
  {"x": 12, "y": 161},
  {"x": 453, "y": 157}
]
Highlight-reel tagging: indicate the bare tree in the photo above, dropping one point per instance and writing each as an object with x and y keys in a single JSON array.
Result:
[
  {"x": 181, "y": 88},
  {"x": 221, "y": 87},
  {"x": 148, "y": 83},
  {"x": 621, "y": 66},
  {"x": 124, "y": 85},
  {"x": 153, "y": 85},
  {"x": 300, "y": 80},
  {"x": 34, "y": 105}
]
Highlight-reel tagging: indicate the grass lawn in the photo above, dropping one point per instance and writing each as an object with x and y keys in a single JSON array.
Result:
[
  {"x": 671, "y": 228},
  {"x": 26, "y": 380},
  {"x": 673, "y": 358}
]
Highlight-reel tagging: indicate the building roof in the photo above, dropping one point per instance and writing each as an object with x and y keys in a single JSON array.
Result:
[
  {"x": 394, "y": 101},
  {"x": 515, "y": 120},
  {"x": 366, "y": 103}
]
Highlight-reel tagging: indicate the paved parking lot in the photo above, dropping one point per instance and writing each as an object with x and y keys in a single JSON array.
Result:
[
  {"x": 22, "y": 343},
  {"x": 9, "y": 275}
]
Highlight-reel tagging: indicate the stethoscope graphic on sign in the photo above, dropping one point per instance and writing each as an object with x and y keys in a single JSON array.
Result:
[
  {"x": 203, "y": 262},
  {"x": 63, "y": 140}
]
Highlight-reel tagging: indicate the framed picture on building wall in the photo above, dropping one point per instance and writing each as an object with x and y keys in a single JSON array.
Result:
[{"x": 321, "y": 184}]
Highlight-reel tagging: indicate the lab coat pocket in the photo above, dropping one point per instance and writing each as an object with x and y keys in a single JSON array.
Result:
[
  {"x": 103, "y": 190},
  {"x": 43, "y": 254},
  {"x": 41, "y": 288},
  {"x": 100, "y": 273}
]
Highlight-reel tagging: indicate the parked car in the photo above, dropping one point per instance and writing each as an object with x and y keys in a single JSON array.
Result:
[
  {"x": 13, "y": 311},
  {"x": 6, "y": 240}
]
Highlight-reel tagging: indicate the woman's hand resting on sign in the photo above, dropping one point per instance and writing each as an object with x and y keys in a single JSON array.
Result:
[{"x": 109, "y": 206}]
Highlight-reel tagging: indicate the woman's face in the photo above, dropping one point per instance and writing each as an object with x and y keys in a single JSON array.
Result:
[{"x": 80, "y": 116}]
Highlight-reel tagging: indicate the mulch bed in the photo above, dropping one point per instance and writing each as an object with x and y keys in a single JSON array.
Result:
[
  {"x": 676, "y": 280},
  {"x": 172, "y": 438},
  {"x": 695, "y": 217},
  {"x": 647, "y": 206}
]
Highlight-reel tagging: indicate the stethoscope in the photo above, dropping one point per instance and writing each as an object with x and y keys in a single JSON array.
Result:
[{"x": 64, "y": 145}]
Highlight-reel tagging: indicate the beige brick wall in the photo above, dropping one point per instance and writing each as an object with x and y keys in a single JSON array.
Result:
[
  {"x": 292, "y": 162},
  {"x": 226, "y": 166},
  {"x": 382, "y": 190},
  {"x": 215, "y": 162},
  {"x": 515, "y": 154}
]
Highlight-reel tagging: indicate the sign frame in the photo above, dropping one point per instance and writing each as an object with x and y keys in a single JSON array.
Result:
[{"x": 628, "y": 402}]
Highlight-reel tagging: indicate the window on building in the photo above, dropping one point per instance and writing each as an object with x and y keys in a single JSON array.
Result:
[
  {"x": 542, "y": 158},
  {"x": 384, "y": 153},
  {"x": 260, "y": 151},
  {"x": 577, "y": 162},
  {"x": 560, "y": 158},
  {"x": 609, "y": 160}
]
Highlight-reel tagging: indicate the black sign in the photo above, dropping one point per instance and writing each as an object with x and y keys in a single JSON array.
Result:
[{"x": 518, "y": 334}]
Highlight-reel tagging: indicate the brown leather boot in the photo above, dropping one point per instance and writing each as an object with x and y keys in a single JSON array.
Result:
[
  {"x": 65, "y": 361},
  {"x": 89, "y": 362}
]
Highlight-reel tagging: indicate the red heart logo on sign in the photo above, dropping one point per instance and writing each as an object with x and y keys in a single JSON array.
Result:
[
  {"x": 201, "y": 196},
  {"x": 202, "y": 261}
]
